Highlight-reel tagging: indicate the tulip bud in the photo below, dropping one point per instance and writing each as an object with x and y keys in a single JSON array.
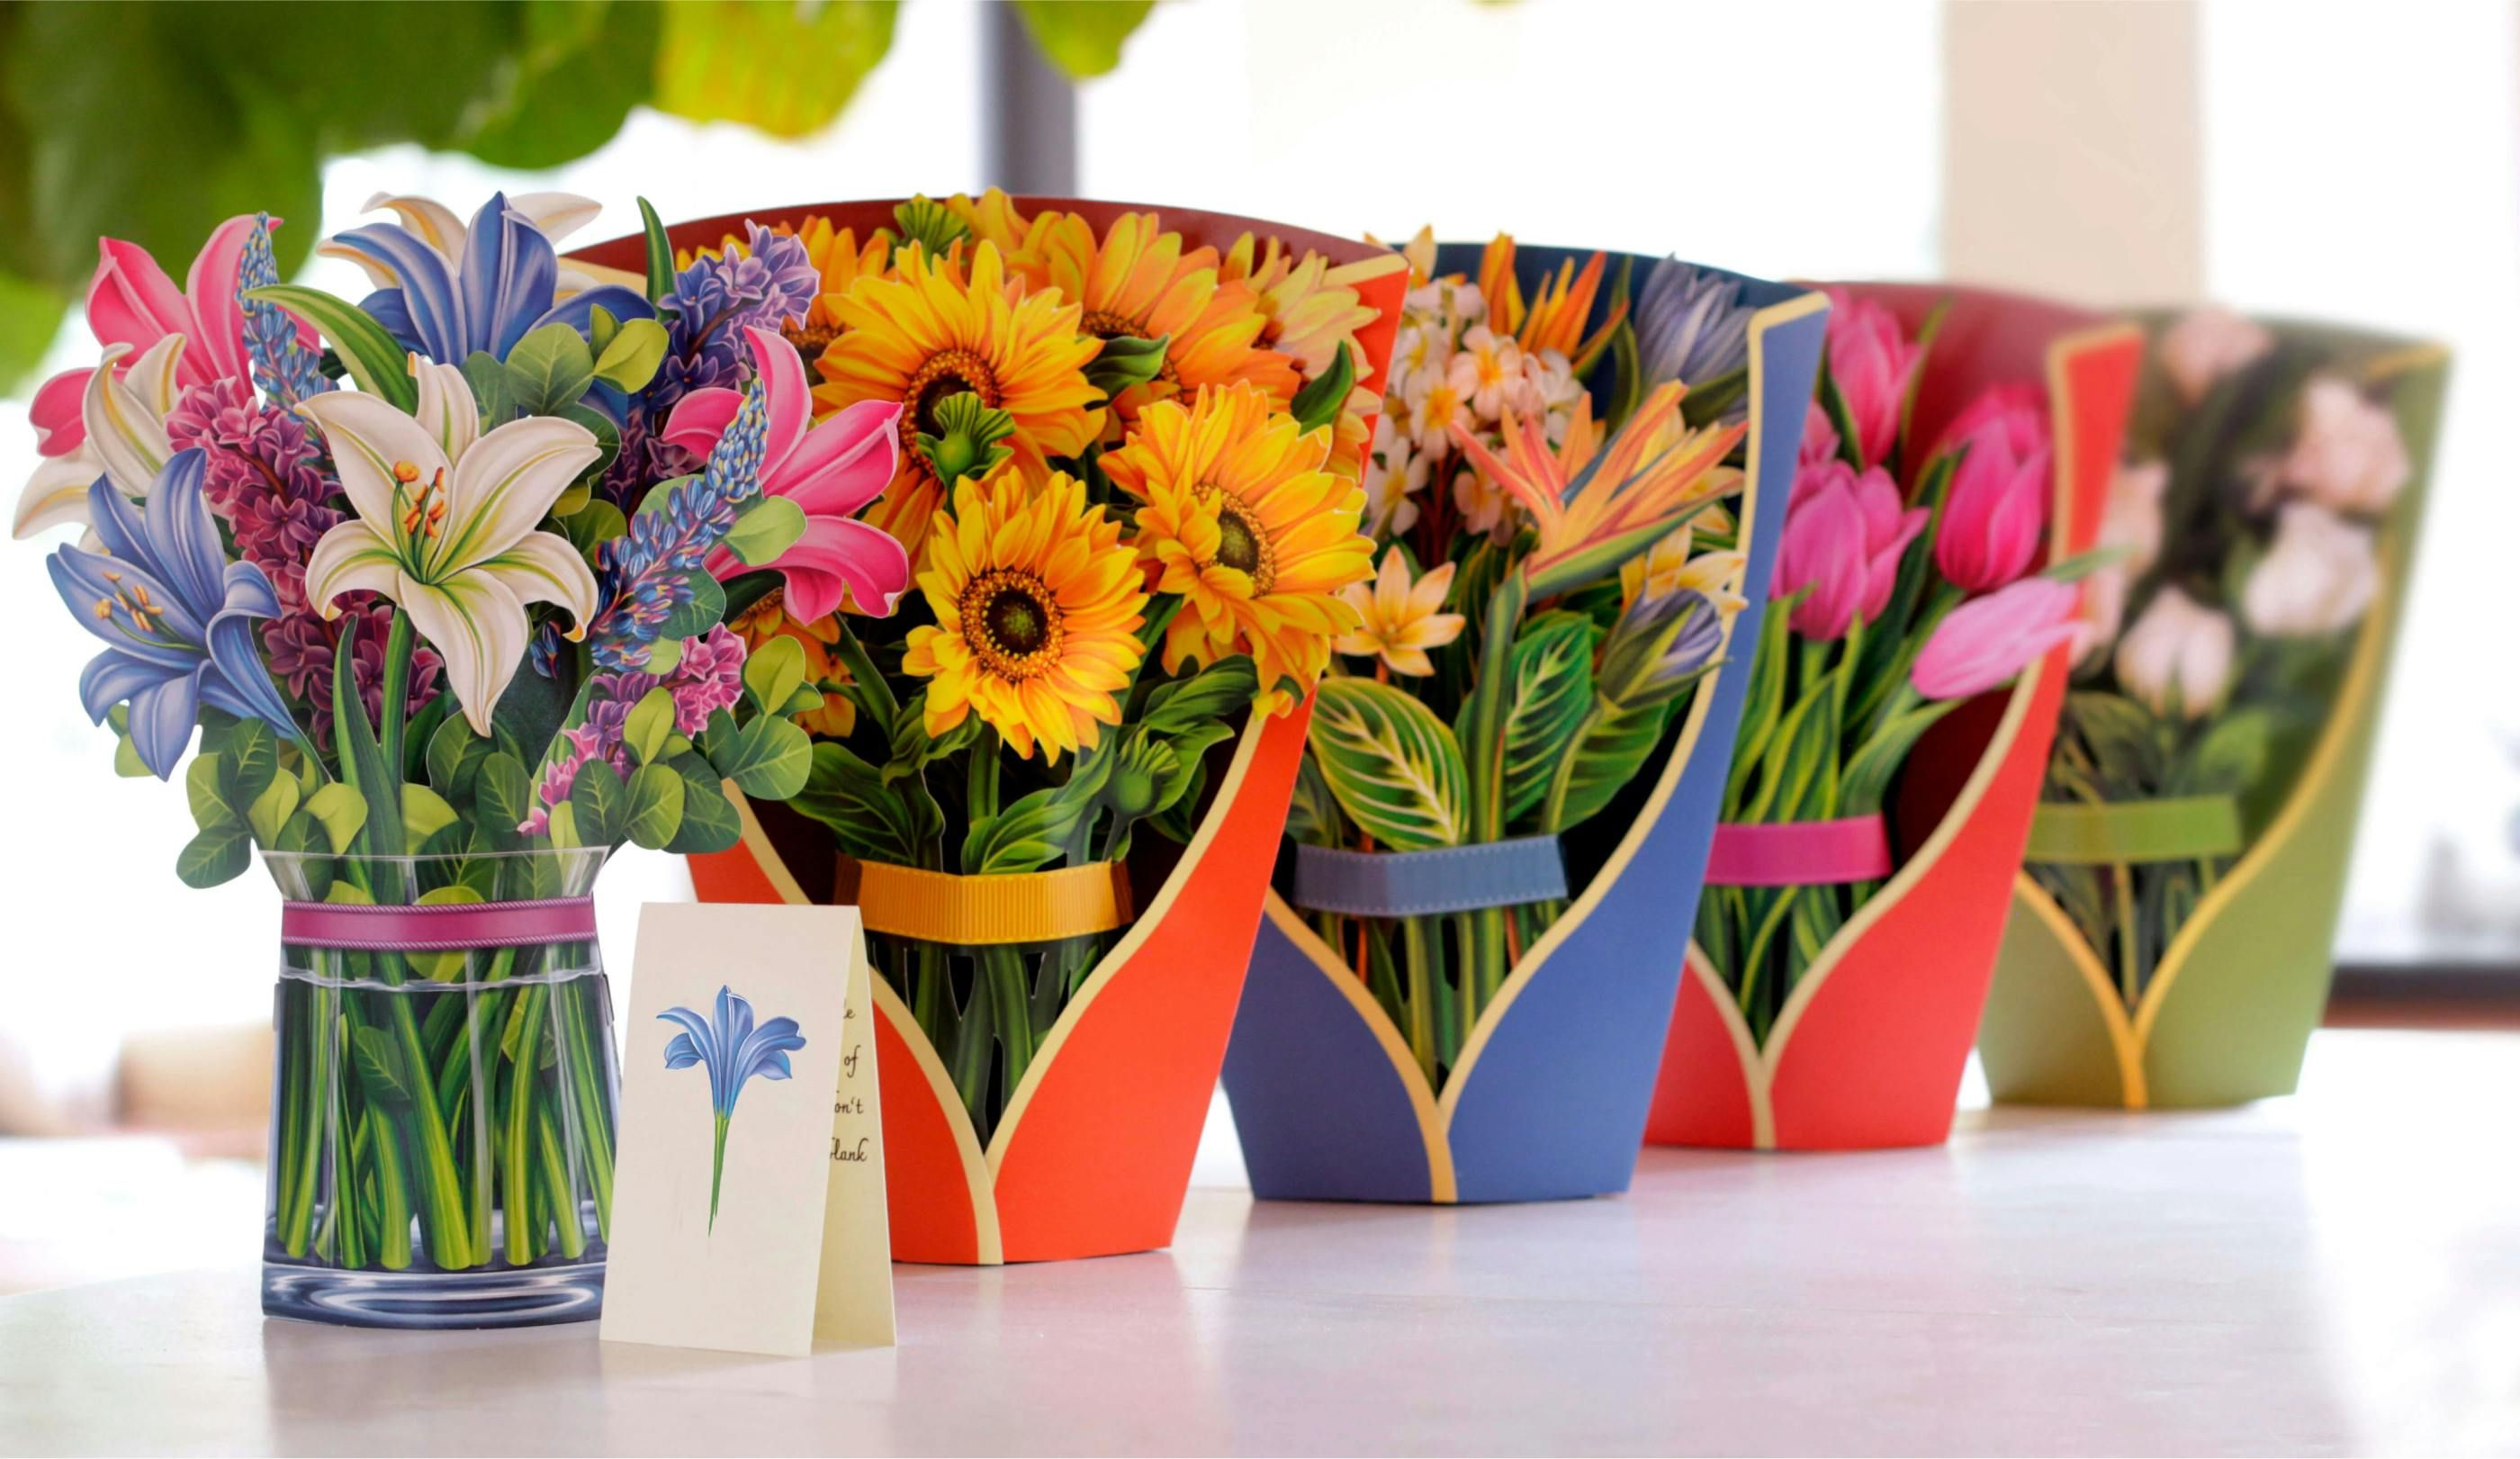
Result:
[
  {"x": 2207, "y": 344},
  {"x": 2177, "y": 655},
  {"x": 1871, "y": 361},
  {"x": 2319, "y": 576},
  {"x": 1986, "y": 642},
  {"x": 2349, "y": 455},
  {"x": 1996, "y": 512}
]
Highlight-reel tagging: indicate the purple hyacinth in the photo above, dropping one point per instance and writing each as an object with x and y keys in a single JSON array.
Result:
[
  {"x": 645, "y": 573},
  {"x": 707, "y": 678},
  {"x": 772, "y": 282},
  {"x": 283, "y": 365}
]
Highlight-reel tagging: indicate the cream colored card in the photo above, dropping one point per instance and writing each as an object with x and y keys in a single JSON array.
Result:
[{"x": 749, "y": 1202}]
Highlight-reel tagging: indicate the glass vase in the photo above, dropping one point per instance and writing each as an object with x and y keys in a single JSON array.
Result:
[{"x": 443, "y": 1090}]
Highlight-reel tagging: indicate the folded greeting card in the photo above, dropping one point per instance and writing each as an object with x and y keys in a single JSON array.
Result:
[{"x": 750, "y": 1209}]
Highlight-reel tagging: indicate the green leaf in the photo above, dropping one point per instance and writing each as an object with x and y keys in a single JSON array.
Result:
[
  {"x": 2229, "y": 758},
  {"x": 601, "y": 804},
  {"x": 550, "y": 369},
  {"x": 970, "y": 435},
  {"x": 454, "y": 759},
  {"x": 1033, "y": 832},
  {"x": 913, "y": 751},
  {"x": 648, "y": 725},
  {"x": 1313, "y": 816},
  {"x": 871, "y": 820},
  {"x": 362, "y": 758},
  {"x": 340, "y": 809},
  {"x": 380, "y": 1066},
  {"x": 126, "y": 755},
  {"x": 930, "y": 224},
  {"x": 596, "y": 521},
  {"x": 581, "y": 69},
  {"x": 424, "y": 813},
  {"x": 272, "y": 809},
  {"x": 709, "y": 822},
  {"x": 31, "y": 314},
  {"x": 704, "y": 610},
  {"x": 492, "y": 391},
  {"x": 660, "y": 253},
  {"x": 1125, "y": 362},
  {"x": 655, "y": 808},
  {"x": 774, "y": 66},
  {"x": 1394, "y": 767},
  {"x": 770, "y": 759},
  {"x": 1866, "y": 788},
  {"x": 370, "y": 354},
  {"x": 630, "y": 360},
  {"x": 1551, "y": 689},
  {"x": 1217, "y": 692},
  {"x": 503, "y": 792},
  {"x": 248, "y": 763},
  {"x": 202, "y": 793},
  {"x": 1613, "y": 747},
  {"x": 768, "y": 528},
  {"x": 774, "y": 672},
  {"x": 1081, "y": 37},
  {"x": 215, "y": 854},
  {"x": 1317, "y": 403}
]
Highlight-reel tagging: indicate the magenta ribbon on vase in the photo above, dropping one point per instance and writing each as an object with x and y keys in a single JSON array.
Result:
[{"x": 450, "y": 927}]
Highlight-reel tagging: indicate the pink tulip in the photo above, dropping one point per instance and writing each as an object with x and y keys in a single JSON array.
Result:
[
  {"x": 131, "y": 301},
  {"x": 1819, "y": 439},
  {"x": 1998, "y": 511},
  {"x": 1986, "y": 640},
  {"x": 1871, "y": 363},
  {"x": 830, "y": 470},
  {"x": 1844, "y": 535}
]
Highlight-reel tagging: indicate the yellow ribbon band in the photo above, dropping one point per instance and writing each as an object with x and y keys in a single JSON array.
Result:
[{"x": 937, "y": 906}]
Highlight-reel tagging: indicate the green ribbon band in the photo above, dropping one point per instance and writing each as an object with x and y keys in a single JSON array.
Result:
[{"x": 2189, "y": 828}]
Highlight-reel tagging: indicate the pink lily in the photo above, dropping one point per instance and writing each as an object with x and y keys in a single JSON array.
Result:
[
  {"x": 131, "y": 301},
  {"x": 831, "y": 471}
]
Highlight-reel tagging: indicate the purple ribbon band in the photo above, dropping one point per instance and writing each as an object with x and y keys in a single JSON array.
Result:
[
  {"x": 450, "y": 927},
  {"x": 1799, "y": 853}
]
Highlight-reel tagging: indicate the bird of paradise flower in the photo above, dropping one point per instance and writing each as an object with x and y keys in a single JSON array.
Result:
[{"x": 734, "y": 1052}]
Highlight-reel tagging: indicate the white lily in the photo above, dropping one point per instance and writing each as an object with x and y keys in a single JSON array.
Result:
[
  {"x": 125, "y": 415},
  {"x": 445, "y": 524},
  {"x": 556, "y": 215}
]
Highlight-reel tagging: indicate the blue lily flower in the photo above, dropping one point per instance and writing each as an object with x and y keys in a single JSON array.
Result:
[
  {"x": 500, "y": 291},
  {"x": 734, "y": 1052},
  {"x": 1692, "y": 326},
  {"x": 176, "y": 615}
]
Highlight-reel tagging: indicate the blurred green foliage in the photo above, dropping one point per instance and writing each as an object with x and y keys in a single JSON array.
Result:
[{"x": 152, "y": 122}]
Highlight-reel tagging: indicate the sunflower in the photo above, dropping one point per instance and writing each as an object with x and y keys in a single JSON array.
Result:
[
  {"x": 837, "y": 256},
  {"x": 992, "y": 217},
  {"x": 1240, "y": 518},
  {"x": 1037, "y": 609},
  {"x": 930, "y": 330},
  {"x": 1139, "y": 282},
  {"x": 1311, "y": 310},
  {"x": 767, "y": 619}
]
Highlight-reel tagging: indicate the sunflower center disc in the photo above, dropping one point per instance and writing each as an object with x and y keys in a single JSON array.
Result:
[{"x": 1017, "y": 622}]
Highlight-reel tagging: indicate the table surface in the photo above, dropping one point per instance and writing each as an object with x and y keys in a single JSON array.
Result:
[{"x": 2338, "y": 1272}]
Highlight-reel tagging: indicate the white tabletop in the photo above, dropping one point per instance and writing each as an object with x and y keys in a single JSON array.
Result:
[{"x": 2336, "y": 1272}]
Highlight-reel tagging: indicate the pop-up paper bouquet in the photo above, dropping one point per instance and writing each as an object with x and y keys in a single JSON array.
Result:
[
  {"x": 439, "y": 629},
  {"x": 2170, "y": 942},
  {"x": 1576, "y": 492},
  {"x": 1061, "y": 664},
  {"x": 1901, "y": 703}
]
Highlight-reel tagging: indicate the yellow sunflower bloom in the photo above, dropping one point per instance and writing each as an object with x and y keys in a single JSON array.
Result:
[
  {"x": 1240, "y": 519},
  {"x": 767, "y": 619},
  {"x": 1311, "y": 311},
  {"x": 931, "y": 330},
  {"x": 1037, "y": 607},
  {"x": 992, "y": 218}
]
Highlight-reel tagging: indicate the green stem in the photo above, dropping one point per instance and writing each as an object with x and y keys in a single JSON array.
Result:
[
  {"x": 561, "y": 1184},
  {"x": 717, "y": 1171},
  {"x": 1421, "y": 957},
  {"x": 391, "y": 708},
  {"x": 393, "y": 1192},
  {"x": 591, "y": 1099},
  {"x": 2121, "y": 882},
  {"x": 516, "y": 1157}
]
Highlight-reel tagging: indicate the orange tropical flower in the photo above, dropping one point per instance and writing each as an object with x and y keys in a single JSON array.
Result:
[{"x": 1553, "y": 318}]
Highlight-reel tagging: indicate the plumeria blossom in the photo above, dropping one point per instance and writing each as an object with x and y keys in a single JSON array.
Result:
[
  {"x": 1401, "y": 619},
  {"x": 830, "y": 470},
  {"x": 445, "y": 524},
  {"x": 734, "y": 1052},
  {"x": 1487, "y": 372},
  {"x": 176, "y": 617},
  {"x": 499, "y": 288}
]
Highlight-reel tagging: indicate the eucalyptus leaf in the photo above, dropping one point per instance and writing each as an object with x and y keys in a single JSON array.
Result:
[
  {"x": 215, "y": 854},
  {"x": 655, "y": 806}
]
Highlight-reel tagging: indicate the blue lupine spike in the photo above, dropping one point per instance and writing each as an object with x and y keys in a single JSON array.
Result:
[
  {"x": 283, "y": 366},
  {"x": 642, "y": 573}
]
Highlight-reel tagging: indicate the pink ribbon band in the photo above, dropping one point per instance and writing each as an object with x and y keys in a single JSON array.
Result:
[
  {"x": 450, "y": 927},
  {"x": 1799, "y": 853}
]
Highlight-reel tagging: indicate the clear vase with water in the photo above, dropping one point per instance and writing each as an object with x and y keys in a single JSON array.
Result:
[{"x": 443, "y": 1091}]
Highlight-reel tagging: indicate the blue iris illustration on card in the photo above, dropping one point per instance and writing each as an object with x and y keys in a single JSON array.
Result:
[{"x": 734, "y": 1051}]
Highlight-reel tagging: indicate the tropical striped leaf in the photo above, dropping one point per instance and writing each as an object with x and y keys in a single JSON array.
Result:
[
  {"x": 1552, "y": 688},
  {"x": 1392, "y": 766}
]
